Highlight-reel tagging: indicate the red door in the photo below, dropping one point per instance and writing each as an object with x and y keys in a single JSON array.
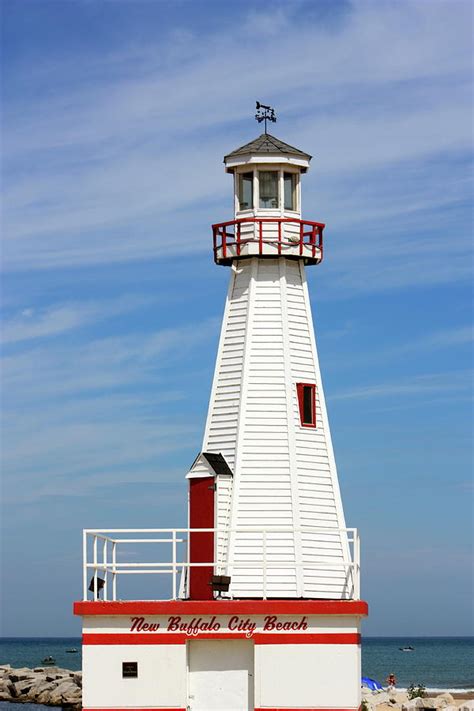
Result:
[{"x": 201, "y": 515}]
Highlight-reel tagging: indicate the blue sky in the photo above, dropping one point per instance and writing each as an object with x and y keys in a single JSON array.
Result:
[{"x": 116, "y": 116}]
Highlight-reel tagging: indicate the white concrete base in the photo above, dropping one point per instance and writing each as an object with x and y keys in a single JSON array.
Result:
[{"x": 223, "y": 655}]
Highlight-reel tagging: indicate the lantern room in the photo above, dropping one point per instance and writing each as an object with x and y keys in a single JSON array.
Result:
[{"x": 267, "y": 205}]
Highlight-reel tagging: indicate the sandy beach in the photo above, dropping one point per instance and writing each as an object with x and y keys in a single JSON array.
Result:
[{"x": 398, "y": 700}]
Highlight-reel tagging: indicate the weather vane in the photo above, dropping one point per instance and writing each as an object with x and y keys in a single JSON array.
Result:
[{"x": 265, "y": 113}]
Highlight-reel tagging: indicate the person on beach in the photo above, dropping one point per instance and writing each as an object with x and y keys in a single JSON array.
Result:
[{"x": 391, "y": 682}]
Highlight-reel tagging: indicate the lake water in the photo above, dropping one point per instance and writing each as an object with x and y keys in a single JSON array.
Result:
[{"x": 437, "y": 662}]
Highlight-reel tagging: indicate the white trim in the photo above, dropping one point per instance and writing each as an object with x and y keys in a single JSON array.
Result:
[
  {"x": 243, "y": 402},
  {"x": 199, "y": 475},
  {"x": 291, "y": 431},
  {"x": 248, "y": 159},
  {"x": 256, "y": 190},
  {"x": 220, "y": 349},
  {"x": 324, "y": 415}
]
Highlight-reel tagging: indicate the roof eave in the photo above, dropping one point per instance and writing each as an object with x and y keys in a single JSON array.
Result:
[{"x": 233, "y": 162}]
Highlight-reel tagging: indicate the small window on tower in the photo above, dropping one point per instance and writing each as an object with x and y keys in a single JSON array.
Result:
[
  {"x": 289, "y": 191},
  {"x": 246, "y": 191},
  {"x": 307, "y": 404}
]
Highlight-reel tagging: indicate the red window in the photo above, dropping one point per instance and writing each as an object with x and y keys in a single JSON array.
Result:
[{"x": 307, "y": 403}]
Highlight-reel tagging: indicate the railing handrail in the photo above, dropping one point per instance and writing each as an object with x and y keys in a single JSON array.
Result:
[
  {"x": 306, "y": 242},
  {"x": 101, "y": 560},
  {"x": 247, "y": 529},
  {"x": 240, "y": 220}
]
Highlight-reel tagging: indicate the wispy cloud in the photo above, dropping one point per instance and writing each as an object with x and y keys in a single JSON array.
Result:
[
  {"x": 79, "y": 416},
  {"x": 115, "y": 164},
  {"x": 99, "y": 364},
  {"x": 32, "y": 323},
  {"x": 422, "y": 385},
  {"x": 428, "y": 343},
  {"x": 439, "y": 339}
]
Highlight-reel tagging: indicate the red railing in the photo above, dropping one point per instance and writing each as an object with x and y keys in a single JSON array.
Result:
[{"x": 309, "y": 238}]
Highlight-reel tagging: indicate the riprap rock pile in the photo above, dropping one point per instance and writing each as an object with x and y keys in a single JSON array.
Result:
[{"x": 50, "y": 686}]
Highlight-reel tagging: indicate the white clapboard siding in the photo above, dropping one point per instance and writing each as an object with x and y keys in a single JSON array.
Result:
[
  {"x": 284, "y": 474},
  {"x": 222, "y": 516}
]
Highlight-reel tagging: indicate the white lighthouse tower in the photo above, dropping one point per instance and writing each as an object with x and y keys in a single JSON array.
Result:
[
  {"x": 267, "y": 416},
  {"x": 264, "y": 609}
]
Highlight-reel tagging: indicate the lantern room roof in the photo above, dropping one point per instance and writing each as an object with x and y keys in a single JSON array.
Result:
[{"x": 267, "y": 144}]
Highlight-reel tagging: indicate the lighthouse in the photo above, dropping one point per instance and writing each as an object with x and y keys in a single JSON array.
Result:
[{"x": 260, "y": 605}]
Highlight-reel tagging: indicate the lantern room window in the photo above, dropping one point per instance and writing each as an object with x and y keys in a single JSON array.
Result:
[
  {"x": 246, "y": 191},
  {"x": 289, "y": 191},
  {"x": 268, "y": 188},
  {"x": 307, "y": 404}
]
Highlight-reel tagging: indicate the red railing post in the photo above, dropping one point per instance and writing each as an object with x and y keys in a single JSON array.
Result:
[
  {"x": 301, "y": 238},
  {"x": 224, "y": 242},
  {"x": 214, "y": 241},
  {"x": 260, "y": 237},
  {"x": 279, "y": 236},
  {"x": 238, "y": 239}
]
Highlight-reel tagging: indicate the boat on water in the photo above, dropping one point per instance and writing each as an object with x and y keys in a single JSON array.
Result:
[
  {"x": 71, "y": 651},
  {"x": 407, "y": 649},
  {"x": 49, "y": 660}
]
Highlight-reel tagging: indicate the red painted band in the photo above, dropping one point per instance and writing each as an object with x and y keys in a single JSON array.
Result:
[
  {"x": 328, "y": 638},
  {"x": 131, "y": 638},
  {"x": 223, "y": 607},
  {"x": 259, "y": 638}
]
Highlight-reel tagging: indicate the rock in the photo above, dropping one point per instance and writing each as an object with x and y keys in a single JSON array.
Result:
[
  {"x": 65, "y": 690},
  {"x": 22, "y": 688},
  {"x": 38, "y": 688},
  {"x": 380, "y": 697},
  {"x": 440, "y": 702},
  {"x": 20, "y": 674},
  {"x": 412, "y": 704},
  {"x": 50, "y": 686},
  {"x": 446, "y": 695},
  {"x": 467, "y": 706},
  {"x": 44, "y": 698},
  {"x": 399, "y": 697},
  {"x": 5, "y": 693}
]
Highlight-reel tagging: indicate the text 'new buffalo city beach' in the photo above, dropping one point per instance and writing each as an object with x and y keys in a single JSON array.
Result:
[{"x": 235, "y": 623}]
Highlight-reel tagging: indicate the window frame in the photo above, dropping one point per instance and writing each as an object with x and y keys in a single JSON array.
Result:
[
  {"x": 294, "y": 190},
  {"x": 240, "y": 182},
  {"x": 277, "y": 172},
  {"x": 300, "y": 391}
]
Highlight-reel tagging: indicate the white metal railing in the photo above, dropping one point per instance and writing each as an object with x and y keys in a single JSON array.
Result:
[{"x": 101, "y": 555}]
